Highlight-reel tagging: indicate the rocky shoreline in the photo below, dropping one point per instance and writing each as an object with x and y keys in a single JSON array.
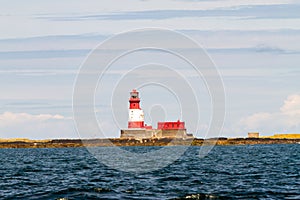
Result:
[{"x": 63, "y": 143}]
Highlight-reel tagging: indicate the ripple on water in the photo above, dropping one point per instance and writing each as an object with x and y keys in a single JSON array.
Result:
[{"x": 243, "y": 172}]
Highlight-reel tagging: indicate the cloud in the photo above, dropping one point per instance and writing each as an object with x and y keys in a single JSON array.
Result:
[
  {"x": 41, "y": 126},
  {"x": 40, "y": 72},
  {"x": 287, "y": 119},
  {"x": 44, "y": 54},
  {"x": 95, "y": 6},
  {"x": 291, "y": 105},
  {"x": 257, "y": 11},
  {"x": 106, "y": 19},
  {"x": 260, "y": 48}
]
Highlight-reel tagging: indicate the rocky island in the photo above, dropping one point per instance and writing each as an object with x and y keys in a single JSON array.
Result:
[
  {"x": 170, "y": 133},
  {"x": 60, "y": 143}
]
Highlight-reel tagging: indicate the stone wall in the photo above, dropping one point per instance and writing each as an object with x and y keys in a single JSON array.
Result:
[
  {"x": 154, "y": 133},
  {"x": 174, "y": 133},
  {"x": 253, "y": 135},
  {"x": 139, "y": 133}
]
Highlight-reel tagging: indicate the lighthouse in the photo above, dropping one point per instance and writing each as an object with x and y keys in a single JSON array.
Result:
[
  {"x": 136, "y": 114},
  {"x": 137, "y": 129}
]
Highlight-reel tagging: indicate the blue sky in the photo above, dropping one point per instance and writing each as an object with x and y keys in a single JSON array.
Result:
[{"x": 254, "y": 44}]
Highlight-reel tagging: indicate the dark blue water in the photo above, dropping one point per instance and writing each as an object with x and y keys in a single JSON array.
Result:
[{"x": 233, "y": 172}]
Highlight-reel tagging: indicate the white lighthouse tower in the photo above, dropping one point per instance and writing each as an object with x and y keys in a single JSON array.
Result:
[{"x": 136, "y": 114}]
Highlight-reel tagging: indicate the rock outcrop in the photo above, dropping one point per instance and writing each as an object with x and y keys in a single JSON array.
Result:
[{"x": 60, "y": 143}]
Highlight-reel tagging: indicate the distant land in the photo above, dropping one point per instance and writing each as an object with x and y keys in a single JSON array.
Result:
[{"x": 62, "y": 143}]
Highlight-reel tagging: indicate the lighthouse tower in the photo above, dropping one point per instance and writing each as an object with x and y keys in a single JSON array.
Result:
[{"x": 136, "y": 114}]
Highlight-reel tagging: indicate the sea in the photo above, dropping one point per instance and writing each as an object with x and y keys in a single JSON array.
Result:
[{"x": 227, "y": 172}]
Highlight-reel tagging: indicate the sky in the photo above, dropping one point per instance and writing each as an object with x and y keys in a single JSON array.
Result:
[{"x": 254, "y": 44}]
